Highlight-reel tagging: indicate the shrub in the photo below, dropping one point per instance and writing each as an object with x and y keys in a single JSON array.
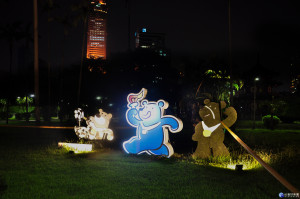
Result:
[
  {"x": 2, "y": 115},
  {"x": 46, "y": 114},
  {"x": 26, "y": 116},
  {"x": 22, "y": 116},
  {"x": 19, "y": 116},
  {"x": 267, "y": 121}
]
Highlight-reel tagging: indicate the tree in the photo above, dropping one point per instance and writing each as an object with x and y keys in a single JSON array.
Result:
[
  {"x": 217, "y": 84},
  {"x": 23, "y": 102},
  {"x": 10, "y": 33},
  {"x": 48, "y": 7},
  {"x": 81, "y": 11},
  {"x": 66, "y": 22},
  {"x": 36, "y": 61}
]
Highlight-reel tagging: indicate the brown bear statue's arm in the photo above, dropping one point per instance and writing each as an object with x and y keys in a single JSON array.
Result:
[
  {"x": 231, "y": 116},
  {"x": 198, "y": 131}
]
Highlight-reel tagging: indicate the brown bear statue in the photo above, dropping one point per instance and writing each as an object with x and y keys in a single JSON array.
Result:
[{"x": 209, "y": 133}]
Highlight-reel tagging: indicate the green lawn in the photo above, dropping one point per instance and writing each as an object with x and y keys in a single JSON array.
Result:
[
  {"x": 50, "y": 173},
  {"x": 31, "y": 166}
]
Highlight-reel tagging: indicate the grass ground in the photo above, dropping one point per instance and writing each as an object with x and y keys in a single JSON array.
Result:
[{"x": 31, "y": 166}]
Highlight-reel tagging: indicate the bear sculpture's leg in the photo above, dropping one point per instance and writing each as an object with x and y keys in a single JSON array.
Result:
[
  {"x": 110, "y": 134},
  {"x": 131, "y": 146},
  {"x": 163, "y": 150},
  {"x": 220, "y": 150},
  {"x": 135, "y": 145},
  {"x": 202, "y": 151}
]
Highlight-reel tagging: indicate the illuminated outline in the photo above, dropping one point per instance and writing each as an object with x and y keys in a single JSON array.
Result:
[{"x": 137, "y": 101}]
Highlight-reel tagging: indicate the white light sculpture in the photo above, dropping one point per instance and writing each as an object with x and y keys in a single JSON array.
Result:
[{"x": 97, "y": 126}]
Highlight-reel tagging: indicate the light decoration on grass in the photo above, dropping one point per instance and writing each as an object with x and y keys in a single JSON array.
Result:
[
  {"x": 151, "y": 125},
  {"x": 97, "y": 126},
  {"x": 77, "y": 148},
  {"x": 245, "y": 160},
  {"x": 244, "y": 166}
]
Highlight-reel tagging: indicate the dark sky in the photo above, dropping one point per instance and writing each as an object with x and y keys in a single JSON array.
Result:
[{"x": 269, "y": 28}]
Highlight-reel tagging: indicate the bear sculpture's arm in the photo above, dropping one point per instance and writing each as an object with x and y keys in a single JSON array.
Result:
[
  {"x": 174, "y": 125},
  {"x": 131, "y": 117},
  {"x": 231, "y": 116},
  {"x": 198, "y": 130}
]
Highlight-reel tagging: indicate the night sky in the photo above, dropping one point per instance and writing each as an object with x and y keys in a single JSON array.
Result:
[{"x": 268, "y": 28}]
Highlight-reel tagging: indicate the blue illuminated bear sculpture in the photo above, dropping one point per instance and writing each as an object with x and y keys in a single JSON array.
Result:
[{"x": 151, "y": 126}]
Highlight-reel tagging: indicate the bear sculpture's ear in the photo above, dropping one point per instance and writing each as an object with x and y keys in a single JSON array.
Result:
[
  {"x": 223, "y": 104},
  {"x": 162, "y": 104},
  {"x": 206, "y": 101},
  {"x": 109, "y": 116},
  {"x": 144, "y": 102}
]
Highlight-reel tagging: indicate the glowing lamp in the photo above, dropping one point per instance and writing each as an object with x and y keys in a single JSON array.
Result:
[
  {"x": 152, "y": 126},
  {"x": 77, "y": 148}
]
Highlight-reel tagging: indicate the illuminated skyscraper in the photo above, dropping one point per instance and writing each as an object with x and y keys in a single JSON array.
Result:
[
  {"x": 96, "y": 32},
  {"x": 152, "y": 41}
]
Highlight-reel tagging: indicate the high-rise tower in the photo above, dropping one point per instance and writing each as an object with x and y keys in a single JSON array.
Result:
[
  {"x": 96, "y": 32},
  {"x": 152, "y": 41}
]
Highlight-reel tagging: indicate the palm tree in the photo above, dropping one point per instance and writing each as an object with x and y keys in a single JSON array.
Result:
[
  {"x": 65, "y": 21},
  {"x": 48, "y": 7},
  {"x": 81, "y": 10},
  {"x": 36, "y": 61},
  {"x": 10, "y": 33},
  {"x": 26, "y": 34},
  {"x": 230, "y": 52}
]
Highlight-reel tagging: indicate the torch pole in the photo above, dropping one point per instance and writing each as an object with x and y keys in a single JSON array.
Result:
[{"x": 281, "y": 179}]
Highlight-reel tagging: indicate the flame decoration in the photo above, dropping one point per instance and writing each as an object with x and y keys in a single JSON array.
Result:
[{"x": 137, "y": 97}]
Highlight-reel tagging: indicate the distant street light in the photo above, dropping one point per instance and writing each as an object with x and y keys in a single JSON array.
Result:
[
  {"x": 32, "y": 95},
  {"x": 254, "y": 101},
  {"x": 98, "y": 98}
]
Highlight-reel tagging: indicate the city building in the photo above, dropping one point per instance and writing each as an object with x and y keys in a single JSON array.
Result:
[
  {"x": 152, "y": 41},
  {"x": 295, "y": 76},
  {"x": 96, "y": 30}
]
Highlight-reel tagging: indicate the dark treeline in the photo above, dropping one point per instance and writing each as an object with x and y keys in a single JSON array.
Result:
[
  {"x": 183, "y": 80},
  {"x": 106, "y": 84}
]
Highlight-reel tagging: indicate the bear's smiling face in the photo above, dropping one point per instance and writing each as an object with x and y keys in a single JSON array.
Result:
[
  {"x": 150, "y": 114},
  {"x": 101, "y": 120}
]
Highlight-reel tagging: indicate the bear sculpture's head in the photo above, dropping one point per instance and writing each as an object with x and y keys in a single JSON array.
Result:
[
  {"x": 210, "y": 112},
  {"x": 101, "y": 120},
  {"x": 152, "y": 112}
]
